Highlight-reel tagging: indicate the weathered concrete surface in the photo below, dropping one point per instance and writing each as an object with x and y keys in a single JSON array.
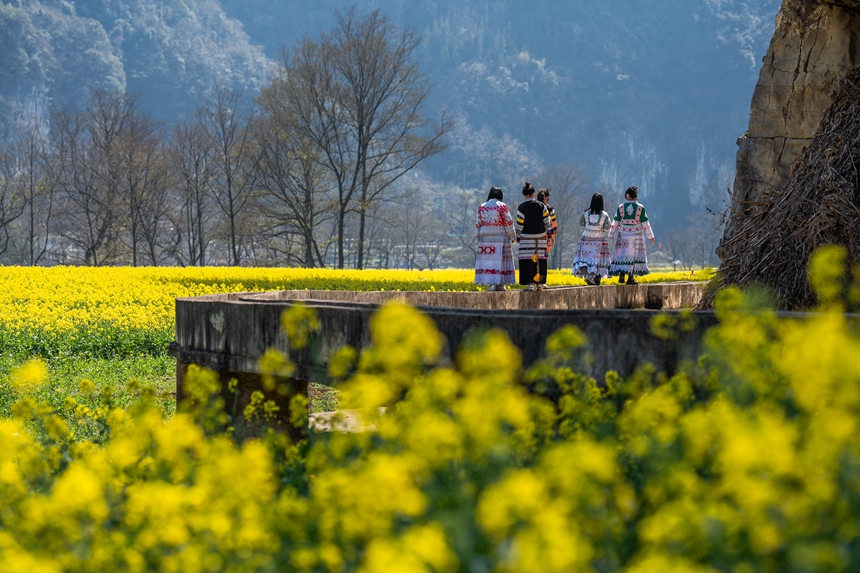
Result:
[
  {"x": 655, "y": 296},
  {"x": 228, "y": 333},
  {"x": 342, "y": 421},
  {"x": 815, "y": 44}
]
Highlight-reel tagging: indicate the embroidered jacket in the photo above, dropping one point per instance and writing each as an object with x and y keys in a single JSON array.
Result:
[
  {"x": 494, "y": 222},
  {"x": 595, "y": 224},
  {"x": 630, "y": 218},
  {"x": 533, "y": 220}
]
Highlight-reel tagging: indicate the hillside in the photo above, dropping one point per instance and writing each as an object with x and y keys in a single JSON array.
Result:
[
  {"x": 644, "y": 92},
  {"x": 52, "y": 53},
  {"x": 649, "y": 92}
]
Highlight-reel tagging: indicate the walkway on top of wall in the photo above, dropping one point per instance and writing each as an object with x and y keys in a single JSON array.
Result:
[{"x": 652, "y": 296}]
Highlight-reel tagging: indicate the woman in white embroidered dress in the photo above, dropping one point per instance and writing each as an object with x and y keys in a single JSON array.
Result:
[
  {"x": 632, "y": 226},
  {"x": 591, "y": 261},
  {"x": 494, "y": 229}
]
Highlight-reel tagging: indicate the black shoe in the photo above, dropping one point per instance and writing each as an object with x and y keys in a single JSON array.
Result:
[
  {"x": 631, "y": 280},
  {"x": 621, "y": 278},
  {"x": 590, "y": 281},
  {"x": 596, "y": 280}
]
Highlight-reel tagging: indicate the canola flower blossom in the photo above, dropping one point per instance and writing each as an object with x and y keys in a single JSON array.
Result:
[
  {"x": 745, "y": 460},
  {"x": 33, "y": 373},
  {"x": 63, "y": 298},
  {"x": 117, "y": 311}
]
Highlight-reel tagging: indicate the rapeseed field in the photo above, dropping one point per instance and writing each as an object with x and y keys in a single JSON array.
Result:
[
  {"x": 746, "y": 460},
  {"x": 123, "y": 311}
]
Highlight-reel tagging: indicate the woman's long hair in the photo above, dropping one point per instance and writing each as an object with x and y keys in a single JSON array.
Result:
[
  {"x": 597, "y": 205},
  {"x": 495, "y": 193}
]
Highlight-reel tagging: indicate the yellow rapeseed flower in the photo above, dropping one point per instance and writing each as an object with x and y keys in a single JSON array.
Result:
[{"x": 33, "y": 373}]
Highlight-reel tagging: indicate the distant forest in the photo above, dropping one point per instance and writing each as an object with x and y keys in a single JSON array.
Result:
[{"x": 582, "y": 96}]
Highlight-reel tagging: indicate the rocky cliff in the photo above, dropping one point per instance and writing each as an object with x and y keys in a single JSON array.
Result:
[{"x": 815, "y": 44}]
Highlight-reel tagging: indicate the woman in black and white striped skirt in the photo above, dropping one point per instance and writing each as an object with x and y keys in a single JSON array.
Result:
[{"x": 533, "y": 227}]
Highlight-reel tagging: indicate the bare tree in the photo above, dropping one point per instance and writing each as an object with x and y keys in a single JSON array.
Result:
[
  {"x": 38, "y": 181},
  {"x": 88, "y": 148},
  {"x": 459, "y": 211},
  {"x": 358, "y": 95},
  {"x": 191, "y": 165},
  {"x": 227, "y": 121},
  {"x": 703, "y": 231},
  {"x": 112, "y": 178},
  {"x": 144, "y": 184},
  {"x": 421, "y": 240},
  {"x": 383, "y": 96},
  {"x": 569, "y": 197},
  {"x": 297, "y": 187},
  {"x": 158, "y": 205},
  {"x": 680, "y": 244},
  {"x": 12, "y": 202}
]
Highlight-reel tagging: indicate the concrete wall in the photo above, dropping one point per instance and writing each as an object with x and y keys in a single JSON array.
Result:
[
  {"x": 228, "y": 333},
  {"x": 231, "y": 335},
  {"x": 231, "y": 331},
  {"x": 656, "y": 296}
]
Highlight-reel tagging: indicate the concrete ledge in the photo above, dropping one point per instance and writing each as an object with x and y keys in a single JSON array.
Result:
[
  {"x": 654, "y": 296},
  {"x": 230, "y": 332}
]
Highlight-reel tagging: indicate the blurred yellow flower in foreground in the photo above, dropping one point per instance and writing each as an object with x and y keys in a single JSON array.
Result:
[{"x": 33, "y": 373}]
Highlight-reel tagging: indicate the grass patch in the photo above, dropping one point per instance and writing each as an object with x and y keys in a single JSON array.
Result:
[
  {"x": 323, "y": 398},
  {"x": 109, "y": 379}
]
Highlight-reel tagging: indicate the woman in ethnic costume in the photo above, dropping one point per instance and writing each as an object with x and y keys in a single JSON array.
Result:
[
  {"x": 494, "y": 229},
  {"x": 543, "y": 197},
  {"x": 533, "y": 228},
  {"x": 592, "y": 260},
  {"x": 631, "y": 224}
]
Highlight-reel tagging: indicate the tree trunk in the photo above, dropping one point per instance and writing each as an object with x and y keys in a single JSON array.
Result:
[
  {"x": 361, "y": 225},
  {"x": 341, "y": 224}
]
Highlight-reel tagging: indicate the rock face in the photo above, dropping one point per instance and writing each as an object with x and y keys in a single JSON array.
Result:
[
  {"x": 819, "y": 204},
  {"x": 815, "y": 44}
]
